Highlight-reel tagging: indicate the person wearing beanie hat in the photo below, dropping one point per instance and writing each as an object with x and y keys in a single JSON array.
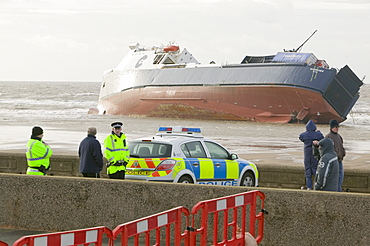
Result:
[
  {"x": 338, "y": 148},
  {"x": 116, "y": 152},
  {"x": 36, "y": 131},
  {"x": 333, "y": 124},
  {"x": 38, "y": 153}
]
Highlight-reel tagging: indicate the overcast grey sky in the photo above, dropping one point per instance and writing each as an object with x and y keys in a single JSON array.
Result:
[{"x": 76, "y": 40}]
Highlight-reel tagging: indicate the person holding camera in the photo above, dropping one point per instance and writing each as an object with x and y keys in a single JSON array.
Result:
[{"x": 309, "y": 137}]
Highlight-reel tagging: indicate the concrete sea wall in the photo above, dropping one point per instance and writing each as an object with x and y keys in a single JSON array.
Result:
[
  {"x": 270, "y": 175},
  {"x": 296, "y": 217}
]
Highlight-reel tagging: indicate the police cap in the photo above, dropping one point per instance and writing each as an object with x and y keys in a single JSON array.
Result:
[{"x": 117, "y": 124}]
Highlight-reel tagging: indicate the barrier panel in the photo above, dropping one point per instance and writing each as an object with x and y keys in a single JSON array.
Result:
[
  {"x": 3, "y": 243},
  {"x": 228, "y": 214},
  {"x": 171, "y": 220},
  {"x": 85, "y": 237},
  {"x": 225, "y": 212}
]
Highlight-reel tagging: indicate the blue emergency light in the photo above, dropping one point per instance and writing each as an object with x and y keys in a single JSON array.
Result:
[
  {"x": 165, "y": 129},
  {"x": 191, "y": 129},
  {"x": 179, "y": 129}
]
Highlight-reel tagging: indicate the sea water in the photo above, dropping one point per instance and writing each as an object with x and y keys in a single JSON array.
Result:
[{"x": 61, "y": 109}]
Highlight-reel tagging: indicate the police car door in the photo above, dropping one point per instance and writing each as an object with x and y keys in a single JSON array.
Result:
[
  {"x": 196, "y": 160},
  {"x": 226, "y": 171}
]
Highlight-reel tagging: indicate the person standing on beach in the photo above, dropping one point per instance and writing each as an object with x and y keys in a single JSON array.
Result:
[
  {"x": 116, "y": 152},
  {"x": 338, "y": 148},
  {"x": 38, "y": 153},
  {"x": 310, "y": 162},
  {"x": 91, "y": 157},
  {"x": 328, "y": 168}
]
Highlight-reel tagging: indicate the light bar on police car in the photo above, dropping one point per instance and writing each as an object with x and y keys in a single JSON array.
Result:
[{"x": 179, "y": 129}]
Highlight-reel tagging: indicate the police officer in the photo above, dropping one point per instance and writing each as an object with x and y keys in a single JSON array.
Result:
[
  {"x": 116, "y": 152},
  {"x": 38, "y": 153}
]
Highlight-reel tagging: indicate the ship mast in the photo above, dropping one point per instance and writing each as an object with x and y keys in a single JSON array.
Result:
[{"x": 300, "y": 47}]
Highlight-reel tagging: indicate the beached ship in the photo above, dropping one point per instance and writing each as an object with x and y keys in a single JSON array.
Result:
[{"x": 167, "y": 81}]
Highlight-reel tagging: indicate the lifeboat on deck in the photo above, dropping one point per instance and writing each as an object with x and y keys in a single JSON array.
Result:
[{"x": 171, "y": 48}]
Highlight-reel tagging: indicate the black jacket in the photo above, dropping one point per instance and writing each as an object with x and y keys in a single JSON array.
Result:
[
  {"x": 327, "y": 174},
  {"x": 91, "y": 157}
]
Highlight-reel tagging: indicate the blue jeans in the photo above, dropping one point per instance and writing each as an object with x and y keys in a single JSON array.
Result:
[{"x": 341, "y": 176}]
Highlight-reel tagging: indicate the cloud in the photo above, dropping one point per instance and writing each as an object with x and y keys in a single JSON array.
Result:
[
  {"x": 95, "y": 34},
  {"x": 333, "y": 4},
  {"x": 52, "y": 43},
  {"x": 6, "y": 23}
]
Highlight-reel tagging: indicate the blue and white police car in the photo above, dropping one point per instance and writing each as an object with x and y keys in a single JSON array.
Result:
[{"x": 182, "y": 155}]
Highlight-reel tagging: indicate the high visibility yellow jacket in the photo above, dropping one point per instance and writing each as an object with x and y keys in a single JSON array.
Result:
[
  {"x": 38, "y": 156},
  {"x": 116, "y": 151}
]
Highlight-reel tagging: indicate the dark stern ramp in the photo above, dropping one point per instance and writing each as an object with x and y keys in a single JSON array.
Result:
[{"x": 343, "y": 92}]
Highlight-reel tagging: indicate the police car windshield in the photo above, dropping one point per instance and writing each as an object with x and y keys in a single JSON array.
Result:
[{"x": 149, "y": 150}]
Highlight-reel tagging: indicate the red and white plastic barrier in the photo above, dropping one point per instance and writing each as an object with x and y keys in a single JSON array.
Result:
[
  {"x": 225, "y": 212},
  {"x": 3, "y": 243},
  {"x": 229, "y": 216},
  {"x": 67, "y": 238},
  {"x": 144, "y": 226}
]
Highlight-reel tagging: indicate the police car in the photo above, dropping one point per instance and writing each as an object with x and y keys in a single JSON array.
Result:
[{"x": 183, "y": 155}]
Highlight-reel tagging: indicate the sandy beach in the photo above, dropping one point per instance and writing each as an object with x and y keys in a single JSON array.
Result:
[
  {"x": 62, "y": 113},
  {"x": 273, "y": 144}
]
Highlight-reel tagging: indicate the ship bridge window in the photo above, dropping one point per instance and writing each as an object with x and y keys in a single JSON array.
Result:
[
  {"x": 158, "y": 58},
  {"x": 257, "y": 59}
]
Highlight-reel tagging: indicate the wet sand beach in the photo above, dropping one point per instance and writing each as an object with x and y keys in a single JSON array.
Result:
[
  {"x": 261, "y": 143},
  {"x": 61, "y": 110}
]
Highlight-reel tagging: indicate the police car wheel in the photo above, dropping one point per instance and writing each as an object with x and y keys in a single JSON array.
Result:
[
  {"x": 185, "y": 180},
  {"x": 248, "y": 179}
]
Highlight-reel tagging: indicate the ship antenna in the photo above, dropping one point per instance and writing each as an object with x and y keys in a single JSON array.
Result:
[{"x": 300, "y": 47}]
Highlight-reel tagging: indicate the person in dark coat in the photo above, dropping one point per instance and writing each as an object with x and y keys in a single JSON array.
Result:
[
  {"x": 91, "y": 157},
  {"x": 310, "y": 162},
  {"x": 338, "y": 148},
  {"x": 328, "y": 168}
]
